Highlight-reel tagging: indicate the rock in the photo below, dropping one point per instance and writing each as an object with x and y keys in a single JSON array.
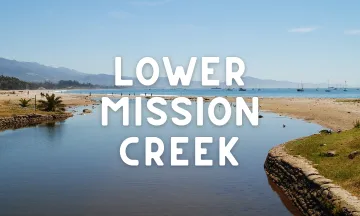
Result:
[
  {"x": 325, "y": 131},
  {"x": 322, "y": 144},
  {"x": 339, "y": 131},
  {"x": 353, "y": 154},
  {"x": 260, "y": 116},
  {"x": 87, "y": 111},
  {"x": 330, "y": 154},
  {"x": 18, "y": 121}
]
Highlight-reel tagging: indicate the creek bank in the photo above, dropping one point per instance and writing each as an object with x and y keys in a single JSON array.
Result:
[
  {"x": 20, "y": 121},
  {"x": 312, "y": 193}
]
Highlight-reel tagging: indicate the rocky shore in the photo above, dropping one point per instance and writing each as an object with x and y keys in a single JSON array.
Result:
[
  {"x": 312, "y": 193},
  {"x": 20, "y": 121}
]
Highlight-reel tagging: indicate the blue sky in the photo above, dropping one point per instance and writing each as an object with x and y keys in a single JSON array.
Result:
[{"x": 312, "y": 41}]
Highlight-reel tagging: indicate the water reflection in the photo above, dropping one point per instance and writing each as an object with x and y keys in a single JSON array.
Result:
[
  {"x": 84, "y": 174},
  {"x": 54, "y": 129},
  {"x": 284, "y": 199}
]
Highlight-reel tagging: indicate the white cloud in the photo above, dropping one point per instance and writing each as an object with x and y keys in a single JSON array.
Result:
[
  {"x": 352, "y": 32},
  {"x": 303, "y": 30},
  {"x": 119, "y": 14},
  {"x": 150, "y": 3}
]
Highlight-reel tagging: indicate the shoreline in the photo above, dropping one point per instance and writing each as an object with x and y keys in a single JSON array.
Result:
[
  {"x": 22, "y": 121},
  {"x": 310, "y": 191},
  {"x": 328, "y": 112}
]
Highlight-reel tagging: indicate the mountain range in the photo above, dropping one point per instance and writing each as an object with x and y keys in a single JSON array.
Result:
[{"x": 35, "y": 72}]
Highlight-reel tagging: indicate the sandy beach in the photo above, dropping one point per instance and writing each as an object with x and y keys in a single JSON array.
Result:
[{"x": 330, "y": 113}]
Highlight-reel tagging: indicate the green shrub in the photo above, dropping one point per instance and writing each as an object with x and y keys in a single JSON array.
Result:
[
  {"x": 51, "y": 104},
  {"x": 24, "y": 102}
]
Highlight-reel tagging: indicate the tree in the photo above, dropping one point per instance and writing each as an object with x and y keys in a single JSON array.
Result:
[
  {"x": 51, "y": 104},
  {"x": 24, "y": 102}
]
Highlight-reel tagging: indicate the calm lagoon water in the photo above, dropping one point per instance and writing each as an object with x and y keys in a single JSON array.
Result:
[
  {"x": 74, "y": 168},
  {"x": 269, "y": 92}
]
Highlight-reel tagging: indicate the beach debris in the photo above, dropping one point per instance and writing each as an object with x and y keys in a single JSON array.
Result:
[
  {"x": 353, "y": 154},
  {"x": 87, "y": 111},
  {"x": 330, "y": 154}
]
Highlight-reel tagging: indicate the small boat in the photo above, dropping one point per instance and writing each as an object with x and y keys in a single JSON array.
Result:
[
  {"x": 329, "y": 88},
  {"x": 345, "y": 89},
  {"x": 300, "y": 89}
]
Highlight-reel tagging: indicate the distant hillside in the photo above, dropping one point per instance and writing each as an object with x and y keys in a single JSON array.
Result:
[
  {"x": 12, "y": 83},
  {"x": 35, "y": 72},
  {"x": 251, "y": 82}
]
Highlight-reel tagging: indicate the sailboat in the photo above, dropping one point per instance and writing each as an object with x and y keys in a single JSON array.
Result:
[
  {"x": 328, "y": 89},
  {"x": 300, "y": 89},
  {"x": 345, "y": 89}
]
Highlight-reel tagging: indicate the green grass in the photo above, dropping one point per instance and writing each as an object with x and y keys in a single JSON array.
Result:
[
  {"x": 340, "y": 169},
  {"x": 10, "y": 108}
]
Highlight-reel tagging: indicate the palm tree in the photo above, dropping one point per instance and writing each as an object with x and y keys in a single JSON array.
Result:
[
  {"x": 51, "y": 104},
  {"x": 24, "y": 102}
]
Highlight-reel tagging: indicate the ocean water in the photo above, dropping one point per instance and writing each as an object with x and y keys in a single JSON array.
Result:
[
  {"x": 307, "y": 93},
  {"x": 74, "y": 168}
]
